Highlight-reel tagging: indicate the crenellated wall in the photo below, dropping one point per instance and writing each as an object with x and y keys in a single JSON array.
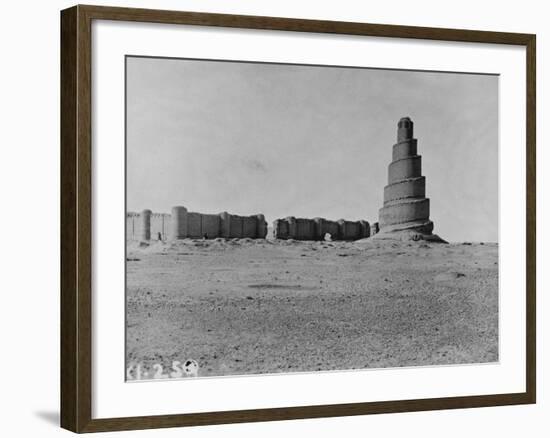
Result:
[
  {"x": 147, "y": 225},
  {"x": 183, "y": 224},
  {"x": 317, "y": 228},
  {"x": 133, "y": 226},
  {"x": 160, "y": 226}
]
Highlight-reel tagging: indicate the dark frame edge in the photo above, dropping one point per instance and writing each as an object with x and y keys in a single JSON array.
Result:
[
  {"x": 302, "y": 25},
  {"x": 68, "y": 120},
  {"x": 304, "y": 412},
  {"x": 75, "y": 347},
  {"x": 76, "y": 235},
  {"x": 531, "y": 217}
]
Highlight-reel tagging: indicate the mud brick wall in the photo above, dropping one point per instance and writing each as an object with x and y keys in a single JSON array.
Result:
[
  {"x": 183, "y": 224},
  {"x": 317, "y": 228},
  {"x": 134, "y": 226},
  {"x": 324, "y": 226},
  {"x": 210, "y": 225},
  {"x": 235, "y": 226},
  {"x": 249, "y": 226},
  {"x": 193, "y": 225},
  {"x": 305, "y": 229},
  {"x": 160, "y": 226},
  {"x": 186, "y": 224},
  {"x": 138, "y": 225},
  {"x": 281, "y": 229},
  {"x": 353, "y": 230},
  {"x": 201, "y": 225}
]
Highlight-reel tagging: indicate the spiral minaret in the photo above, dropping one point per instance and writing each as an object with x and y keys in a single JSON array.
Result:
[{"x": 406, "y": 210}]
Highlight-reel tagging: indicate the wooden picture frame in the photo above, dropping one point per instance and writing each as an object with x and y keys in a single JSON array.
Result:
[{"x": 76, "y": 217}]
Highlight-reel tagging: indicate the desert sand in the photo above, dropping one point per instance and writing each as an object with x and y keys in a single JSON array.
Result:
[{"x": 248, "y": 306}]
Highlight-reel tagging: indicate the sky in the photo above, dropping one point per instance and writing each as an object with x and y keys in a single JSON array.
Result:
[{"x": 308, "y": 141}]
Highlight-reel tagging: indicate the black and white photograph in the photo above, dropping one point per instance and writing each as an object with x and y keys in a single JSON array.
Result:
[
  {"x": 286, "y": 218},
  {"x": 275, "y": 219}
]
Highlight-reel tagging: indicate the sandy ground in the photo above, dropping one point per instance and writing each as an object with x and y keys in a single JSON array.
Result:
[{"x": 256, "y": 306}]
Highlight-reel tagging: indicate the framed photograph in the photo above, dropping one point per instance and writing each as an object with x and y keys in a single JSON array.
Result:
[{"x": 271, "y": 218}]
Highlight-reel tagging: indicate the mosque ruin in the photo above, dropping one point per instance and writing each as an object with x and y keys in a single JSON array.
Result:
[{"x": 405, "y": 214}]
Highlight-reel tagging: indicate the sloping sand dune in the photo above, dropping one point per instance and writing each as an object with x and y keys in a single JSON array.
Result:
[{"x": 256, "y": 306}]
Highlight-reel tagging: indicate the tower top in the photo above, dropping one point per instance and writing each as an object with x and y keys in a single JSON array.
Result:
[{"x": 404, "y": 129}]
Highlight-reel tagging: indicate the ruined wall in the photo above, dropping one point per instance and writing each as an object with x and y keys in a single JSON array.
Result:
[
  {"x": 234, "y": 226},
  {"x": 210, "y": 225},
  {"x": 160, "y": 225},
  {"x": 133, "y": 226},
  {"x": 305, "y": 229},
  {"x": 316, "y": 229},
  {"x": 261, "y": 224},
  {"x": 202, "y": 225},
  {"x": 183, "y": 224},
  {"x": 350, "y": 230},
  {"x": 280, "y": 229},
  {"x": 324, "y": 226},
  {"x": 374, "y": 229},
  {"x": 193, "y": 225},
  {"x": 141, "y": 226},
  {"x": 249, "y": 226}
]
